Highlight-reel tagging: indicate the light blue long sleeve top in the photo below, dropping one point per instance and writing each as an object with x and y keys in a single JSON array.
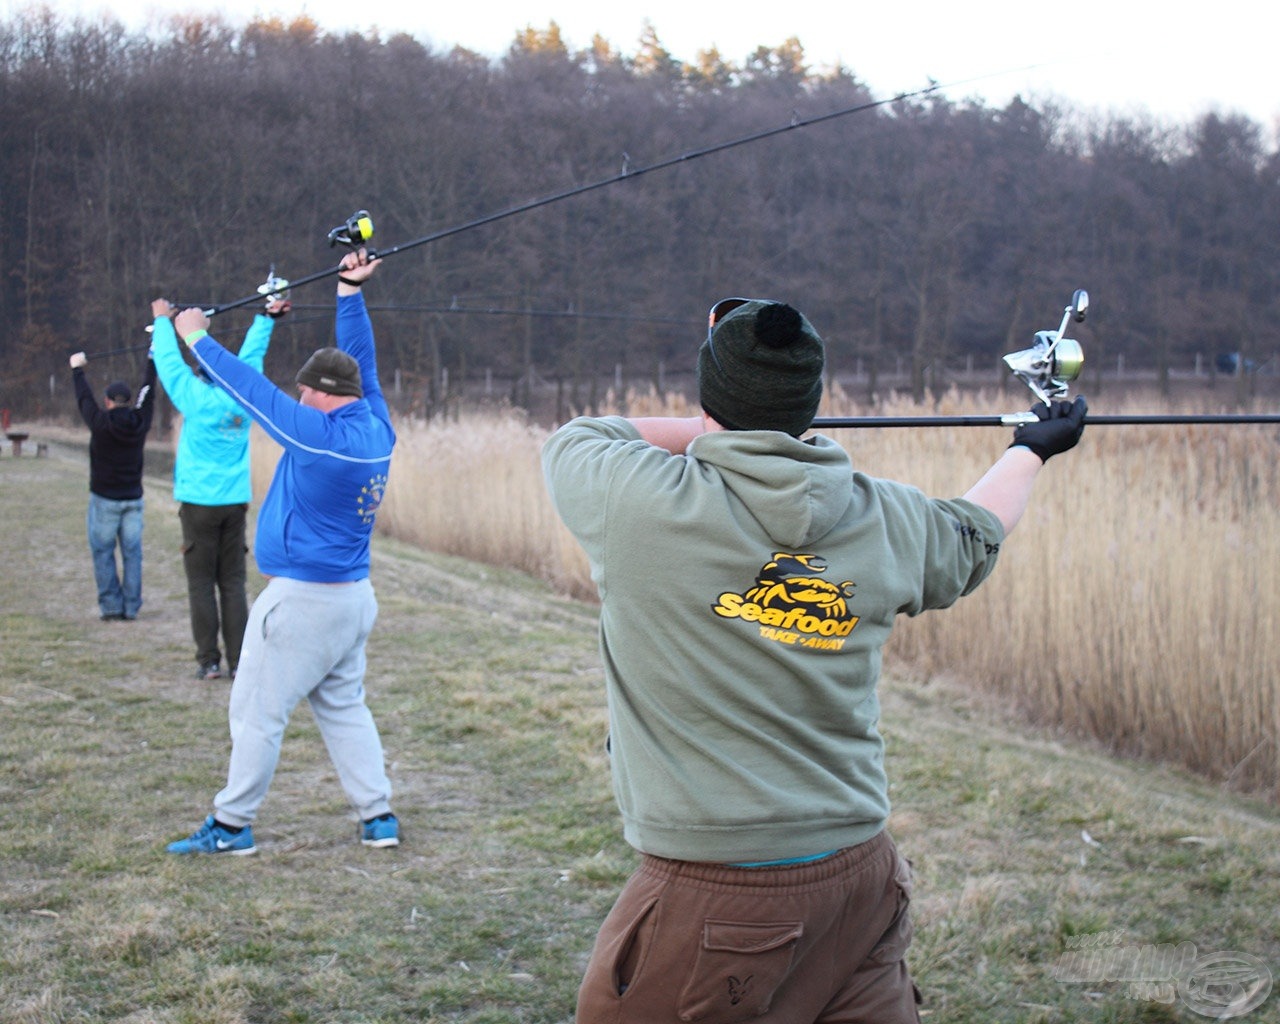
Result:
[{"x": 212, "y": 460}]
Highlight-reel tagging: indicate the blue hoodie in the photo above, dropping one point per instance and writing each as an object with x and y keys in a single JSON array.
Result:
[
  {"x": 212, "y": 464},
  {"x": 316, "y": 521}
]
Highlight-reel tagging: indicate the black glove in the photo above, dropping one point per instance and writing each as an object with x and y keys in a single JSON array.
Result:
[{"x": 1057, "y": 428}]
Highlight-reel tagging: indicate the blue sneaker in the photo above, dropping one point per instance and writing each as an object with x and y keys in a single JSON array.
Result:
[
  {"x": 213, "y": 838},
  {"x": 381, "y": 831}
]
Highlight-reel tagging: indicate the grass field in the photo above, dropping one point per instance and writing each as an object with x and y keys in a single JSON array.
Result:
[{"x": 485, "y": 684}]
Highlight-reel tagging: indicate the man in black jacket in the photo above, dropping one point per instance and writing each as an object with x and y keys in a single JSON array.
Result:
[{"x": 118, "y": 433}]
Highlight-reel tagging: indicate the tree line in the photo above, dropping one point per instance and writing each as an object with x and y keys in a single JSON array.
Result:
[{"x": 191, "y": 160}]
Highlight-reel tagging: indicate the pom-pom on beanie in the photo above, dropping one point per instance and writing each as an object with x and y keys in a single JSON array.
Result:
[{"x": 761, "y": 369}]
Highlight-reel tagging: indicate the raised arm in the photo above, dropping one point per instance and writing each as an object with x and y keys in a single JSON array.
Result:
[
  {"x": 1005, "y": 489},
  {"x": 672, "y": 433}
]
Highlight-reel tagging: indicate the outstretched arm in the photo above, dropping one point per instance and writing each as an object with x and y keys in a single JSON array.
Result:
[{"x": 1005, "y": 489}]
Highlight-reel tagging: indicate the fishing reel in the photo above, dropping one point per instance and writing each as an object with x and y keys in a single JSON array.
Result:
[
  {"x": 276, "y": 289},
  {"x": 355, "y": 232},
  {"x": 1054, "y": 361}
]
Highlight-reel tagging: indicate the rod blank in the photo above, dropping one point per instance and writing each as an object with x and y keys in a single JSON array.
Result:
[{"x": 841, "y": 422}]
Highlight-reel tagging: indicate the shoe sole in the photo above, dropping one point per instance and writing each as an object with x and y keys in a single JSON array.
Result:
[{"x": 381, "y": 843}]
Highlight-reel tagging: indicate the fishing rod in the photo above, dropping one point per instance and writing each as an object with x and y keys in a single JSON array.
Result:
[
  {"x": 357, "y": 230},
  {"x": 1015, "y": 419},
  {"x": 1048, "y": 367},
  {"x": 274, "y": 289}
]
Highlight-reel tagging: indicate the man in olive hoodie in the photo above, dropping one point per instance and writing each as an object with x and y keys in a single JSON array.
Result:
[{"x": 748, "y": 581}]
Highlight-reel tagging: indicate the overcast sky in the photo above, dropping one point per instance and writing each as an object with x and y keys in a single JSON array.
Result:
[{"x": 1113, "y": 57}]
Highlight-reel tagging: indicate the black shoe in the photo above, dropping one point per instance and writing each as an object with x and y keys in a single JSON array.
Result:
[
  {"x": 112, "y": 617},
  {"x": 210, "y": 670}
]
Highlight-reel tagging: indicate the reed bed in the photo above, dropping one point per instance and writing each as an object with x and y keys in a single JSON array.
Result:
[{"x": 1135, "y": 605}]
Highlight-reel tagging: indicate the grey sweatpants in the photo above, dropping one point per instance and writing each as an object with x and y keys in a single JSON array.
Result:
[{"x": 304, "y": 640}]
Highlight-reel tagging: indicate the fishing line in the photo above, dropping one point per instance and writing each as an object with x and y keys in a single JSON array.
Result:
[
  {"x": 293, "y": 321},
  {"x": 562, "y": 314}
]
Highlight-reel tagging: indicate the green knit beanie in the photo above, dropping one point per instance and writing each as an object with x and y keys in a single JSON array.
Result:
[{"x": 761, "y": 369}]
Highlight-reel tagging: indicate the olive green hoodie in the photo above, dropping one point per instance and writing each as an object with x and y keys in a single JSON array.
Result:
[{"x": 746, "y": 590}]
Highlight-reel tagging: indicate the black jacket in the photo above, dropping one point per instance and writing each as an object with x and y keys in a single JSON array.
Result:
[{"x": 118, "y": 434}]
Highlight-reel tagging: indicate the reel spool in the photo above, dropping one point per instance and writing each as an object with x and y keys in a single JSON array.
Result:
[
  {"x": 355, "y": 232},
  {"x": 1054, "y": 361}
]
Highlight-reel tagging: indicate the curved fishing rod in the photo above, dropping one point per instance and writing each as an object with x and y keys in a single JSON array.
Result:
[{"x": 359, "y": 228}]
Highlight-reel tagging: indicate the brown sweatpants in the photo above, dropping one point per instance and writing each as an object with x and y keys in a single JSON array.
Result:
[{"x": 801, "y": 944}]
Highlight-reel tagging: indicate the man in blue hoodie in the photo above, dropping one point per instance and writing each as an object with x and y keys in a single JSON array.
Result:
[
  {"x": 211, "y": 483},
  {"x": 307, "y": 629}
]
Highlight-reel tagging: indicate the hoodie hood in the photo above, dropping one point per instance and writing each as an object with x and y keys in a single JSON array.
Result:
[
  {"x": 125, "y": 426},
  {"x": 797, "y": 490}
]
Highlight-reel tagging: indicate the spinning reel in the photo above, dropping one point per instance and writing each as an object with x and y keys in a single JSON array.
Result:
[
  {"x": 276, "y": 289},
  {"x": 1054, "y": 361},
  {"x": 355, "y": 232}
]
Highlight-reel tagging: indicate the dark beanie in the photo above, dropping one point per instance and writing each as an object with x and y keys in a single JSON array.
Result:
[
  {"x": 118, "y": 391},
  {"x": 332, "y": 371},
  {"x": 761, "y": 369}
]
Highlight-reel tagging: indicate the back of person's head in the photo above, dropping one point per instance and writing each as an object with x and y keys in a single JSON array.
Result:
[
  {"x": 332, "y": 371},
  {"x": 761, "y": 368},
  {"x": 118, "y": 392}
]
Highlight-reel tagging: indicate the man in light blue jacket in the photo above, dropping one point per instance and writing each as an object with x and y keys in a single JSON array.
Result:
[{"x": 211, "y": 482}]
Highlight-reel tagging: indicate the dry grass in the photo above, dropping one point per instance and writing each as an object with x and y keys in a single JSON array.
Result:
[{"x": 1135, "y": 604}]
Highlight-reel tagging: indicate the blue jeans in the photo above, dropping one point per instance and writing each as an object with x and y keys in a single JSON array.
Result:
[{"x": 110, "y": 522}]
